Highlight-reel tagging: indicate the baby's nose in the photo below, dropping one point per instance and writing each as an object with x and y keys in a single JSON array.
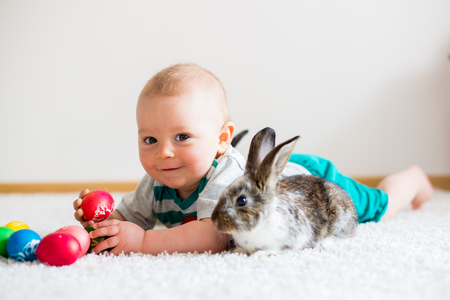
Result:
[{"x": 165, "y": 151}]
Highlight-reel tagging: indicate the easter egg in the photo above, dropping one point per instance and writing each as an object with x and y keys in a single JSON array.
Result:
[
  {"x": 96, "y": 241},
  {"x": 22, "y": 244},
  {"x": 97, "y": 205},
  {"x": 17, "y": 225},
  {"x": 5, "y": 233},
  {"x": 58, "y": 249},
  {"x": 80, "y": 234}
]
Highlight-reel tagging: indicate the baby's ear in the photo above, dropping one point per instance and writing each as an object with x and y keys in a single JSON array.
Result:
[{"x": 225, "y": 137}]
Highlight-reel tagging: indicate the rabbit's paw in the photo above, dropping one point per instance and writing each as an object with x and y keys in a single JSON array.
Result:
[
  {"x": 263, "y": 253},
  {"x": 240, "y": 250},
  {"x": 327, "y": 243}
]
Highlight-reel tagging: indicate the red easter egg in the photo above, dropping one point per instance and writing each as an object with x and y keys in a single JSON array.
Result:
[
  {"x": 58, "y": 249},
  {"x": 80, "y": 234},
  {"x": 97, "y": 205}
]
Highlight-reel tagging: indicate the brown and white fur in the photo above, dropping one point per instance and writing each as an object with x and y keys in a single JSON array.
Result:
[{"x": 266, "y": 215}]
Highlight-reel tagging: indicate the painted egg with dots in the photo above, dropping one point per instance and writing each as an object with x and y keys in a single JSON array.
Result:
[
  {"x": 22, "y": 244},
  {"x": 58, "y": 249},
  {"x": 96, "y": 241}
]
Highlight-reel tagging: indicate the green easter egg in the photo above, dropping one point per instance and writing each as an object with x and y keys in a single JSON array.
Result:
[
  {"x": 5, "y": 233},
  {"x": 96, "y": 241}
]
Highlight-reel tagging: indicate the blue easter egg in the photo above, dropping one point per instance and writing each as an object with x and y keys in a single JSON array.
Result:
[{"x": 22, "y": 244}]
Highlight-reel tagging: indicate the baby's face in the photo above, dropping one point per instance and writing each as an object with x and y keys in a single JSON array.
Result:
[{"x": 178, "y": 139}]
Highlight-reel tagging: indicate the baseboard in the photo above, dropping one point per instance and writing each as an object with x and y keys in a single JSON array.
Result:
[
  {"x": 66, "y": 187},
  {"x": 438, "y": 181}
]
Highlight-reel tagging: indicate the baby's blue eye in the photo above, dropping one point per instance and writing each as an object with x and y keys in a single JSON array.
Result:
[
  {"x": 150, "y": 140},
  {"x": 181, "y": 137},
  {"x": 241, "y": 201}
]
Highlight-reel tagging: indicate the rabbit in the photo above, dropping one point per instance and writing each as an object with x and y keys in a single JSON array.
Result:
[{"x": 265, "y": 215}]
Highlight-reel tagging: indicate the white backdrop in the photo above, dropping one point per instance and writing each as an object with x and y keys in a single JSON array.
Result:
[{"x": 365, "y": 83}]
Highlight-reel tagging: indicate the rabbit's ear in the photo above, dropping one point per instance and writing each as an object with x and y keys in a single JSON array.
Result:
[
  {"x": 274, "y": 163},
  {"x": 262, "y": 143},
  {"x": 236, "y": 139}
]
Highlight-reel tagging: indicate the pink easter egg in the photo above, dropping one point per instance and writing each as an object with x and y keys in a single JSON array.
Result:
[
  {"x": 58, "y": 249},
  {"x": 80, "y": 234}
]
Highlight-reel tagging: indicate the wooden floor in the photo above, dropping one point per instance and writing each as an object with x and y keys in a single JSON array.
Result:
[{"x": 438, "y": 181}]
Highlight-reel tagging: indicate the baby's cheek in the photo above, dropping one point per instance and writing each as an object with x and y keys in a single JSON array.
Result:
[
  {"x": 146, "y": 163},
  {"x": 201, "y": 163}
]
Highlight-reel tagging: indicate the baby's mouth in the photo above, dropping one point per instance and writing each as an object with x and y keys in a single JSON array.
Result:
[{"x": 170, "y": 169}]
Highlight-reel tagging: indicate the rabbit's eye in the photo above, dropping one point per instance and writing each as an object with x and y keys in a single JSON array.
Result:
[{"x": 241, "y": 201}]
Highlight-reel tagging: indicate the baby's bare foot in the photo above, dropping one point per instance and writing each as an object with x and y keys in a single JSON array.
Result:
[{"x": 425, "y": 190}]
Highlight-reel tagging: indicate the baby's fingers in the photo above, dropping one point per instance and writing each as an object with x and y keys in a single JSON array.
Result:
[
  {"x": 106, "y": 223},
  {"x": 104, "y": 231},
  {"x": 106, "y": 244},
  {"x": 84, "y": 193},
  {"x": 79, "y": 217},
  {"x": 77, "y": 203}
]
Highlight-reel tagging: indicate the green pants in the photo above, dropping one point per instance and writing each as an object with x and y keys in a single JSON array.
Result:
[{"x": 370, "y": 203}]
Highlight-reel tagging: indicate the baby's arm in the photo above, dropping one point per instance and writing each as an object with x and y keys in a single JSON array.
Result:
[{"x": 195, "y": 236}]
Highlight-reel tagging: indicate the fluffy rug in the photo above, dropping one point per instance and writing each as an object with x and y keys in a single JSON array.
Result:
[{"x": 406, "y": 258}]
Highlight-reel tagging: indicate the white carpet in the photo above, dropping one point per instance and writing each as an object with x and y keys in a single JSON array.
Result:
[{"x": 406, "y": 258}]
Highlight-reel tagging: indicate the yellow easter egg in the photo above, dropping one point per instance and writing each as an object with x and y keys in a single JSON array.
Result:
[{"x": 17, "y": 225}]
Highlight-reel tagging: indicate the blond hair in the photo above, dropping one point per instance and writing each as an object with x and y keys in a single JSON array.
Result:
[{"x": 179, "y": 78}]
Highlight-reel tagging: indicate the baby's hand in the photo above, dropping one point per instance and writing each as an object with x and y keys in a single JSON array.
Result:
[
  {"x": 125, "y": 237},
  {"x": 79, "y": 212}
]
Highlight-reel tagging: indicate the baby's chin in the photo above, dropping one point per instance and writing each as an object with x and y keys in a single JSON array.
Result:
[
  {"x": 181, "y": 186},
  {"x": 178, "y": 179}
]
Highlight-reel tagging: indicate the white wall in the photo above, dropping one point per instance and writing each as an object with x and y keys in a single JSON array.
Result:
[{"x": 365, "y": 83}]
